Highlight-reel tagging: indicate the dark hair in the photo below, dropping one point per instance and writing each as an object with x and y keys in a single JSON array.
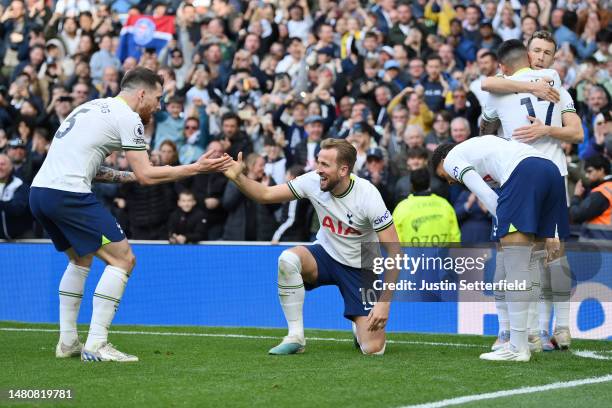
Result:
[
  {"x": 440, "y": 154},
  {"x": 294, "y": 39},
  {"x": 140, "y": 77},
  {"x": 530, "y": 18},
  {"x": 433, "y": 57},
  {"x": 187, "y": 192},
  {"x": 489, "y": 54},
  {"x": 542, "y": 35},
  {"x": 417, "y": 152},
  {"x": 569, "y": 19},
  {"x": 474, "y": 6},
  {"x": 419, "y": 179},
  {"x": 229, "y": 116},
  {"x": 604, "y": 35},
  {"x": 175, "y": 99},
  {"x": 510, "y": 51},
  {"x": 296, "y": 170},
  {"x": 598, "y": 162},
  {"x": 364, "y": 127}
]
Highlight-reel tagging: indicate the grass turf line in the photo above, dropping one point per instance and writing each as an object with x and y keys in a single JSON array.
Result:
[{"x": 237, "y": 372}]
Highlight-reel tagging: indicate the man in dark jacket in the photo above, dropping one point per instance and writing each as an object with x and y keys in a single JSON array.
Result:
[
  {"x": 15, "y": 218},
  {"x": 594, "y": 210},
  {"x": 187, "y": 223},
  {"x": 306, "y": 150},
  {"x": 246, "y": 219}
]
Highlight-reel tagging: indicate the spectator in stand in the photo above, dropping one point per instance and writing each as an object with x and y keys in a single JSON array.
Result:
[
  {"x": 306, "y": 151},
  {"x": 293, "y": 219},
  {"x": 466, "y": 105},
  {"x": 594, "y": 210},
  {"x": 169, "y": 123},
  {"x": 474, "y": 219},
  {"x": 246, "y": 219},
  {"x": 440, "y": 132},
  {"x": 187, "y": 224},
  {"x": 376, "y": 171},
  {"x": 15, "y": 217},
  {"x": 460, "y": 130}
]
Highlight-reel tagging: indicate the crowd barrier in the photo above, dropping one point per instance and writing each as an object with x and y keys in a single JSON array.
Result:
[{"x": 234, "y": 284}]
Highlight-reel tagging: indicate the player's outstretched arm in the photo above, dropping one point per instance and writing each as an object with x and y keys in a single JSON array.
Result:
[
  {"x": 541, "y": 89},
  {"x": 254, "y": 190},
  {"x": 108, "y": 175},
  {"x": 147, "y": 174}
]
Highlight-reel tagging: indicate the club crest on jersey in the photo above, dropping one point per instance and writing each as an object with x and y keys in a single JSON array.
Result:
[
  {"x": 338, "y": 227},
  {"x": 349, "y": 216}
]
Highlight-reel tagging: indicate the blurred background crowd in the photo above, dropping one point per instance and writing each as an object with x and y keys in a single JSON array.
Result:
[{"x": 271, "y": 79}]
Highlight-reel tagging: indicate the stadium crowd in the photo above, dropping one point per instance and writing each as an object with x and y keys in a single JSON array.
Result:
[{"x": 271, "y": 79}]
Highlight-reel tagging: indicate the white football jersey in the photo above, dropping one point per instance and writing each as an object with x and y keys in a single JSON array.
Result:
[
  {"x": 347, "y": 220},
  {"x": 512, "y": 110},
  {"x": 492, "y": 157},
  {"x": 90, "y": 133}
]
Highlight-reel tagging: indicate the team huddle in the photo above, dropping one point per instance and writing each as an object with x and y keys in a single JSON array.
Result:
[{"x": 516, "y": 169}]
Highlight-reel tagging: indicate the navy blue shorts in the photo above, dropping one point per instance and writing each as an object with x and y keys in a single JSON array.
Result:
[
  {"x": 74, "y": 220},
  {"x": 533, "y": 201},
  {"x": 348, "y": 279}
]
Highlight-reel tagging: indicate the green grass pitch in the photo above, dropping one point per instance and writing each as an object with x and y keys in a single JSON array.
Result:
[{"x": 220, "y": 369}]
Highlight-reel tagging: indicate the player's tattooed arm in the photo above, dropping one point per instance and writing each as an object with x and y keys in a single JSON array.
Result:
[
  {"x": 489, "y": 128},
  {"x": 108, "y": 175}
]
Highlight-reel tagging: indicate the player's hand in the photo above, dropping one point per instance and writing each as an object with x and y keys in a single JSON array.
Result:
[
  {"x": 235, "y": 169},
  {"x": 209, "y": 162},
  {"x": 543, "y": 90},
  {"x": 530, "y": 133},
  {"x": 378, "y": 316}
]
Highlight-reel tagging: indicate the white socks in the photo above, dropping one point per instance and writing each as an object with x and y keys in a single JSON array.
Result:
[
  {"x": 545, "y": 304},
  {"x": 291, "y": 292},
  {"x": 561, "y": 283},
  {"x": 517, "y": 260},
  {"x": 105, "y": 302},
  {"x": 500, "y": 295},
  {"x": 70, "y": 296}
]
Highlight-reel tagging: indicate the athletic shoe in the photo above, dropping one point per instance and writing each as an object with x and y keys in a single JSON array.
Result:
[
  {"x": 561, "y": 338},
  {"x": 289, "y": 345},
  {"x": 107, "y": 352},
  {"x": 64, "y": 351},
  {"x": 502, "y": 339},
  {"x": 545, "y": 340},
  {"x": 535, "y": 343},
  {"x": 507, "y": 353}
]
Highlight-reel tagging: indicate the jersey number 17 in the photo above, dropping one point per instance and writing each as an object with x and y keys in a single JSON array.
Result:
[{"x": 531, "y": 111}]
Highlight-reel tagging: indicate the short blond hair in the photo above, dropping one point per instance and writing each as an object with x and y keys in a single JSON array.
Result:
[{"x": 346, "y": 152}]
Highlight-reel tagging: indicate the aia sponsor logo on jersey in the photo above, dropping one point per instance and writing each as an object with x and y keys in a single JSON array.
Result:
[{"x": 338, "y": 227}]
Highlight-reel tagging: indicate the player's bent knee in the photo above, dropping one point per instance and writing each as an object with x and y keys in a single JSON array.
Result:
[{"x": 289, "y": 263}]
